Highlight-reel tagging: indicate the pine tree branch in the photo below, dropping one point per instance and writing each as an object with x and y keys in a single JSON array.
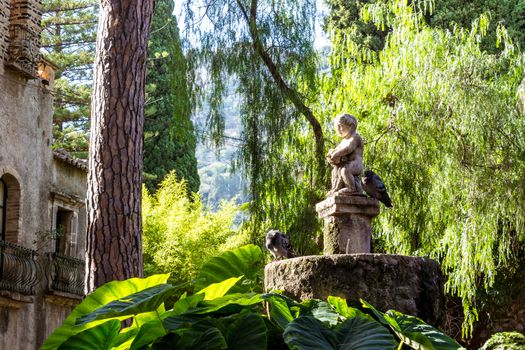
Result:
[
  {"x": 168, "y": 22},
  {"x": 69, "y": 44},
  {"x": 64, "y": 22},
  {"x": 66, "y": 8}
]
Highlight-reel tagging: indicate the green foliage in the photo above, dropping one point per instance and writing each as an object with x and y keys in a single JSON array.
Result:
[
  {"x": 345, "y": 19},
  {"x": 438, "y": 115},
  {"x": 107, "y": 293},
  {"x": 101, "y": 337},
  {"x": 179, "y": 235},
  {"x": 218, "y": 318},
  {"x": 509, "y": 13},
  {"x": 146, "y": 300},
  {"x": 72, "y": 139},
  {"x": 244, "y": 261},
  {"x": 169, "y": 136},
  {"x": 505, "y": 341},
  {"x": 68, "y": 40},
  {"x": 277, "y": 150},
  {"x": 355, "y": 333}
]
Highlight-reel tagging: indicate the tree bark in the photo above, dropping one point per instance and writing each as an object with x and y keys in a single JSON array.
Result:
[{"x": 114, "y": 228}]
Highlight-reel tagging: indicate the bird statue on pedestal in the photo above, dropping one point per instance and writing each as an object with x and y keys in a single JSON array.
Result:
[{"x": 279, "y": 245}]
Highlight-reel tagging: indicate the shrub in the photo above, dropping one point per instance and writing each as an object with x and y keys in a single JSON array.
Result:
[
  {"x": 228, "y": 315},
  {"x": 505, "y": 341},
  {"x": 179, "y": 234}
]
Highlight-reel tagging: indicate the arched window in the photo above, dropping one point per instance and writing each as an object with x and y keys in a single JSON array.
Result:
[{"x": 9, "y": 208}]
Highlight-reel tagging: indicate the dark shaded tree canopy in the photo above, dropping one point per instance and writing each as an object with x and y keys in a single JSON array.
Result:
[{"x": 169, "y": 136}]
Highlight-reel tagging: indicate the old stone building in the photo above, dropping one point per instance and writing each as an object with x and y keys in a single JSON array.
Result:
[{"x": 42, "y": 212}]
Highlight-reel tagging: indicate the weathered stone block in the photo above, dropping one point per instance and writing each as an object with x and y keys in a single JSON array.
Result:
[
  {"x": 347, "y": 223},
  {"x": 411, "y": 285}
]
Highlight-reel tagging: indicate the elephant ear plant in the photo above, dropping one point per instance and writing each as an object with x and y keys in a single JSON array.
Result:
[{"x": 230, "y": 315}]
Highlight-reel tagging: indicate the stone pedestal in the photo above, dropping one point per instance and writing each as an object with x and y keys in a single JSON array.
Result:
[
  {"x": 411, "y": 285},
  {"x": 347, "y": 223}
]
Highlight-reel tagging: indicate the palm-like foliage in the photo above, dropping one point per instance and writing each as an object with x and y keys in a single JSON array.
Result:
[{"x": 218, "y": 317}]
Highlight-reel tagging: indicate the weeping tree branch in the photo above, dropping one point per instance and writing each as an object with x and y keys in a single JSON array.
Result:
[{"x": 289, "y": 93}]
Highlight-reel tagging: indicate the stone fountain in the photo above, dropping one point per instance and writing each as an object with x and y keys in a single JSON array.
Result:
[{"x": 348, "y": 269}]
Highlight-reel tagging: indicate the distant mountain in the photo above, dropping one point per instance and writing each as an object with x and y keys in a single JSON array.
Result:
[{"x": 218, "y": 182}]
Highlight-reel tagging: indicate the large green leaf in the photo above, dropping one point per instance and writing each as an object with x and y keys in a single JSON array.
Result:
[
  {"x": 280, "y": 311},
  {"x": 359, "y": 333},
  {"x": 227, "y": 304},
  {"x": 418, "y": 331},
  {"x": 308, "y": 333},
  {"x": 321, "y": 310},
  {"x": 245, "y": 261},
  {"x": 103, "y": 295},
  {"x": 148, "y": 333},
  {"x": 247, "y": 333},
  {"x": 191, "y": 339},
  {"x": 174, "y": 323},
  {"x": 186, "y": 302},
  {"x": 378, "y": 315},
  {"x": 101, "y": 337},
  {"x": 170, "y": 341},
  {"x": 211, "y": 339},
  {"x": 341, "y": 306},
  {"x": 217, "y": 290},
  {"x": 126, "y": 337},
  {"x": 275, "y": 336},
  {"x": 146, "y": 300}
]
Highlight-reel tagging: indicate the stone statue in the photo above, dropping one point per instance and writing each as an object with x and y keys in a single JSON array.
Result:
[{"x": 347, "y": 158}]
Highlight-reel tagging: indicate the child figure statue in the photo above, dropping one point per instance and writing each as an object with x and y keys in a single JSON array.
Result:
[{"x": 347, "y": 158}]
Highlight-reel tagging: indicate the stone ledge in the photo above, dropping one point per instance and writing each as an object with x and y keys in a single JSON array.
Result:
[
  {"x": 342, "y": 205},
  {"x": 63, "y": 298},
  {"x": 14, "y": 300},
  {"x": 411, "y": 285}
]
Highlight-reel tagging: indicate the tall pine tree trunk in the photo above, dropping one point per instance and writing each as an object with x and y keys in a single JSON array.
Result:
[{"x": 114, "y": 244}]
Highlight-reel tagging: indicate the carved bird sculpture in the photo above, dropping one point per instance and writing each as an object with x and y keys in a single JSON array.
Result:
[
  {"x": 374, "y": 187},
  {"x": 279, "y": 245}
]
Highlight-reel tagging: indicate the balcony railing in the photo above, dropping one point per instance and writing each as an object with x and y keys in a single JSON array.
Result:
[
  {"x": 18, "y": 268},
  {"x": 67, "y": 274}
]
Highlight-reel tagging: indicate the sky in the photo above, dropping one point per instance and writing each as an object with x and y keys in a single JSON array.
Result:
[{"x": 321, "y": 40}]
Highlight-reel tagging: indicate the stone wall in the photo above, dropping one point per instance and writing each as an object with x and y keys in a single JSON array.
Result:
[
  {"x": 411, "y": 285},
  {"x": 4, "y": 27},
  {"x": 17, "y": 323},
  {"x": 37, "y": 183},
  {"x": 42, "y": 187},
  {"x": 26, "y": 155},
  {"x": 21, "y": 43}
]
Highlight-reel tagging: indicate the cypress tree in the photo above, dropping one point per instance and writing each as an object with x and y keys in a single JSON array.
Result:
[{"x": 169, "y": 136}]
